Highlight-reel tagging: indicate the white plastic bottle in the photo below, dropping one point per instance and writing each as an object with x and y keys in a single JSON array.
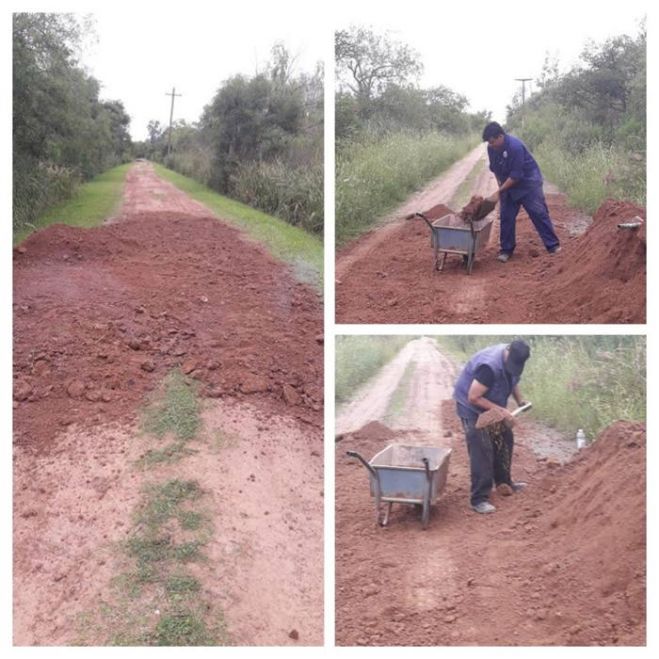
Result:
[{"x": 581, "y": 439}]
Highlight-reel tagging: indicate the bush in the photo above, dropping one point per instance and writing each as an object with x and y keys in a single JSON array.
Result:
[
  {"x": 590, "y": 177},
  {"x": 373, "y": 175},
  {"x": 37, "y": 186},
  {"x": 292, "y": 194}
]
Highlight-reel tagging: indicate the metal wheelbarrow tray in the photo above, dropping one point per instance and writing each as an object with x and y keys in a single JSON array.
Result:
[
  {"x": 406, "y": 474},
  {"x": 452, "y": 235}
]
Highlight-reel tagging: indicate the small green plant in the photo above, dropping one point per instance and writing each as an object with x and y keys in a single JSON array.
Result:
[
  {"x": 182, "y": 628},
  {"x": 175, "y": 409}
]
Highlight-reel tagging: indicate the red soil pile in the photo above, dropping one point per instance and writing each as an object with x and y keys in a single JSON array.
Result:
[
  {"x": 602, "y": 273},
  {"x": 595, "y": 533},
  {"x": 373, "y": 432},
  {"x": 437, "y": 211},
  {"x": 101, "y": 315}
]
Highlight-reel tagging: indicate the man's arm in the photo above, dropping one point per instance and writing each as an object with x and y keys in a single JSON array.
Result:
[
  {"x": 517, "y": 395},
  {"x": 476, "y": 394}
]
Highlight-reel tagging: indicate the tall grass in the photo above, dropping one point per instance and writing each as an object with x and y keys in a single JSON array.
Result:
[
  {"x": 360, "y": 357},
  {"x": 294, "y": 194},
  {"x": 373, "y": 175},
  {"x": 590, "y": 177},
  {"x": 576, "y": 381},
  {"x": 290, "y": 192},
  {"x": 86, "y": 205}
]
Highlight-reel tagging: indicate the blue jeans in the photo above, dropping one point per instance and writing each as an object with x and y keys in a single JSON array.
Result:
[
  {"x": 535, "y": 205},
  {"x": 489, "y": 460}
]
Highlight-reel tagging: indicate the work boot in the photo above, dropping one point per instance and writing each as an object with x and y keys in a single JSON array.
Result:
[
  {"x": 555, "y": 250},
  {"x": 519, "y": 485},
  {"x": 503, "y": 257},
  {"x": 484, "y": 507}
]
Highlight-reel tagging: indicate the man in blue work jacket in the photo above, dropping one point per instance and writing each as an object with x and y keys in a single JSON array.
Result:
[
  {"x": 489, "y": 378},
  {"x": 520, "y": 184}
]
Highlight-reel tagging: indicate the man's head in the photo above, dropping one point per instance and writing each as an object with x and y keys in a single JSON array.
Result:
[
  {"x": 493, "y": 134},
  {"x": 516, "y": 355}
]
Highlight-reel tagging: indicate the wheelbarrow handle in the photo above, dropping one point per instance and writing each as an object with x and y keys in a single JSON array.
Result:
[
  {"x": 354, "y": 454},
  {"x": 426, "y": 464},
  {"x": 411, "y": 216}
]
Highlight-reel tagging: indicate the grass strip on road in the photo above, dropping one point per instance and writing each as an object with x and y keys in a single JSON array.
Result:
[
  {"x": 91, "y": 205},
  {"x": 301, "y": 250}
]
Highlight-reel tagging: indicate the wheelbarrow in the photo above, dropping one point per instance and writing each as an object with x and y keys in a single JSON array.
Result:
[
  {"x": 413, "y": 475},
  {"x": 451, "y": 234}
]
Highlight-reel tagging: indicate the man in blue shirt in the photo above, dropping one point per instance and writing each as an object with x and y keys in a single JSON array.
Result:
[
  {"x": 520, "y": 184},
  {"x": 486, "y": 382}
]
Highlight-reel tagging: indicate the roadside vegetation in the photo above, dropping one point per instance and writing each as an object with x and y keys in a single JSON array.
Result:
[
  {"x": 259, "y": 141},
  {"x": 63, "y": 134},
  {"x": 575, "y": 381},
  {"x": 587, "y": 126},
  {"x": 391, "y": 135},
  {"x": 303, "y": 251},
  {"x": 359, "y": 358},
  {"x": 90, "y": 205}
]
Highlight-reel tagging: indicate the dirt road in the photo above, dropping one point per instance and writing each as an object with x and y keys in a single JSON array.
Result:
[
  {"x": 386, "y": 276},
  {"x": 101, "y": 316},
  {"x": 545, "y": 569}
]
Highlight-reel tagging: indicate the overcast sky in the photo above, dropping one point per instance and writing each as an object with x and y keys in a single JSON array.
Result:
[
  {"x": 474, "y": 47},
  {"x": 479, "y": 48}
]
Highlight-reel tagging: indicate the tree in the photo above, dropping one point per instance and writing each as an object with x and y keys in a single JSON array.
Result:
[{"x": 367, "y": 63}]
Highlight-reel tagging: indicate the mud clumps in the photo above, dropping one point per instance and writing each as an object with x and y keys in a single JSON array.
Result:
[
  {"x": 96, "y": 332},
  {"x": 438, "y": 211},
  {"x": 492, "y": 418}
]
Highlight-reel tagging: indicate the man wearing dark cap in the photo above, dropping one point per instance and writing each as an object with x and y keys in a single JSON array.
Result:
[
  {"x": 486, "y": 382},
  {"x": 520, "y": 184}
]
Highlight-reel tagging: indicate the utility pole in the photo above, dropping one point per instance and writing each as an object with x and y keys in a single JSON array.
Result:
[
  {"x": 171, "y": 116},
  {"x": 523, "y": 81}
]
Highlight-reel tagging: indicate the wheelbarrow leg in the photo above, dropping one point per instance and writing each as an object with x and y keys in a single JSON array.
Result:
[
  {"x": 470, "y": 262},
  {"x": 425, "y": 514}
]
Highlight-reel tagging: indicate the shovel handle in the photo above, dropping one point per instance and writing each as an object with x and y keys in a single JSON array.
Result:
[{"x": 523, "y": 408}]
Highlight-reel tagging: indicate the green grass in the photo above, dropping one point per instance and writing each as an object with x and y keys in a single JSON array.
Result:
[
  {"x": 92, "y": 203},
  {"x": 593, "y": 176},
  {"x": 399, "y": 398},
  {"x": 374, "y": 176},
  {"x": 301, "y": 250},
  {"x": 174, "y": 410},
  {"x": 358, "y": 358},
  {"x": 575, "y": 381}
]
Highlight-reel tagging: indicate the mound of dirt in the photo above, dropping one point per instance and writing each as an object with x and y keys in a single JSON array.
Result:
[
  {"x": 373, "y": 431},
  {"x": 437, "y": 211},
  {"x": 595, "y": 535},
  {"x": 101, "y": 315},
  {"x": 604, "y": 270}
]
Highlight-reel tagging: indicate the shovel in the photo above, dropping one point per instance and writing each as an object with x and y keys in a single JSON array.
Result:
[{"x": 485, "y": 208}]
